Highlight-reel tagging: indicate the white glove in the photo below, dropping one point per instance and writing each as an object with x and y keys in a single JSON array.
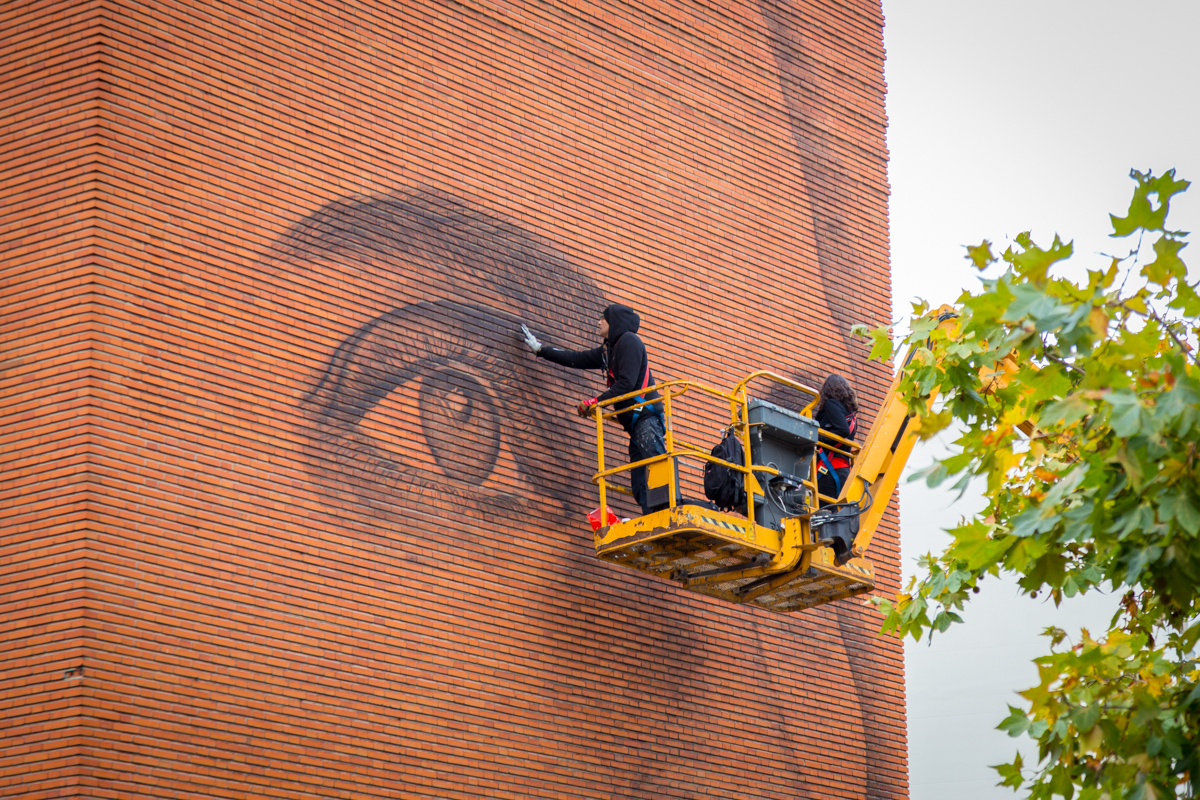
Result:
[{"x": 531, "y": 341}]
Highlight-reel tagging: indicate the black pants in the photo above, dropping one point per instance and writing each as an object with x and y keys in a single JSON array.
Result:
[{"x": 645, "y": 440}]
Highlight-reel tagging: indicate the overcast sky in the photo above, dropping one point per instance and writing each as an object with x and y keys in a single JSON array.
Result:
[{"x": 1006, "y": 117}]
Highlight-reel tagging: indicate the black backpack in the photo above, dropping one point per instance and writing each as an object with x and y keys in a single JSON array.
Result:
[{"x": 722, "y": 485}]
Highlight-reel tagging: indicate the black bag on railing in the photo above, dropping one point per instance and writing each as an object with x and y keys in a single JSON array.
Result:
[{"x": 722, "y": 485}]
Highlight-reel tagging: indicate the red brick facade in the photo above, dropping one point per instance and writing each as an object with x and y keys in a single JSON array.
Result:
[{"x": 288, "y": 512}]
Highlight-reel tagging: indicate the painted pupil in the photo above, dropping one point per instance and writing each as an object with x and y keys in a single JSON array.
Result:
[{"x": 461, "y": 424}]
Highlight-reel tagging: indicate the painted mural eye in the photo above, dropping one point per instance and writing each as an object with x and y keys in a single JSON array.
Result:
[
  {"x": 451, "y": 396},
  {"x": 436, "y": 399},
  {"x": 425, "y": 399}
]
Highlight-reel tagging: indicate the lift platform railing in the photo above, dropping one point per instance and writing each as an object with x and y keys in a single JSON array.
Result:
[{"x": 678, "y": 449}]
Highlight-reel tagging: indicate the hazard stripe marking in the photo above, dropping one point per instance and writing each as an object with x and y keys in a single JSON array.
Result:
[{"x": 729, "y": 526}]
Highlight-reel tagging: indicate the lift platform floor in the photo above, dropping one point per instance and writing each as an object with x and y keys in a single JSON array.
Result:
[{"x": 728, "y": 557}]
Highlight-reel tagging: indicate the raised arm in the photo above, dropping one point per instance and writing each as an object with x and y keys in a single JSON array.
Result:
[{"x": 576, "y": 359}]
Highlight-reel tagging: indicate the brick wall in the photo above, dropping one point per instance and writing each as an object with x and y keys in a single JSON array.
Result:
[
  {"x": 290, "y": 513},
  {"x": 49, "y": 88}
]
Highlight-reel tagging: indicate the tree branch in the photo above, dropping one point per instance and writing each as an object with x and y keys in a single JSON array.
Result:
[
  {"x": 1060, "y": 361},
  {"x": 1188, "y": 352}
]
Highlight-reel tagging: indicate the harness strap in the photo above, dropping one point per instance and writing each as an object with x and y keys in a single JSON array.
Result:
[
  {"x": 852, "y": 424},
  {"x": 832, "y": 472},
  {"x": 641, "y": 398}
]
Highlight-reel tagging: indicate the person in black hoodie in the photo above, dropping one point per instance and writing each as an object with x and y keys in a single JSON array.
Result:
[
  {"x": 837, "y": 413},
  {"x": 626, "y": 367}
]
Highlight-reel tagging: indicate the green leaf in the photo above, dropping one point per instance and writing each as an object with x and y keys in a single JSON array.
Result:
[
  {"x": 1141, "y": 215},
  {"x": 1066, "y": 485},
  {"x": 933, "y": 475},
  {"x": 1178, "y": 409},
  {"x": 1137, "y": 302},
  {"x": 981, "y": 255},
  {"x": 944, "y": 620},
  {"x": 1178, "y": 506},
  {"x": 1034, "y": 263},
  {"x": 1187, "y": 641},
  {"x": 1016, "y": 723},
  {"x": 1103, "y": 280},
  {"x": 1138, "y": 560},
  {"x": 1064, "y": 412},
  {"x": 1126, "y": 415},
  {"x": 881, "y": 341},
  {"x": 1186, "y": 299},
  {"x": 1167, "y": 187},
  {"x": 1033, "y": 302},
  {"x": 1010, "y": 773},
  {"x": 1085, "y": 718},
  {"x": 1167, "y": 265},
  {"x": 979, "y": 551},
  {"x": 881, "y": 344}
]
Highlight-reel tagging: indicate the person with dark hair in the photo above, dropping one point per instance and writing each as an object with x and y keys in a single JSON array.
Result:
[
  {"x": 836, "y": 413},
  {"x": 622, "y": 356}
]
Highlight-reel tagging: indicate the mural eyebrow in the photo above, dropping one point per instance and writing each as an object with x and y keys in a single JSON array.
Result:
[{"x": 466, "y": 251}]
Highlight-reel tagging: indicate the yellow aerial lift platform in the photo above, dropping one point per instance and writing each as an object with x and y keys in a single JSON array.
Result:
[{"x": 789, "y": 548}]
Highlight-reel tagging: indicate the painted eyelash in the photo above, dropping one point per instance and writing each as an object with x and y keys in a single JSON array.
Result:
[
  {"x": 444, "y": 353},
  {"x": 496, "y": 366},
  {"x": 396, "y": 473}
]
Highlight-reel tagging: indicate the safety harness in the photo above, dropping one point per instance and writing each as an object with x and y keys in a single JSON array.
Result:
[
  {"x": 610, "y": 379},
  {"x": 641, "y": 398},
  {"x": 852, "y": 422}
]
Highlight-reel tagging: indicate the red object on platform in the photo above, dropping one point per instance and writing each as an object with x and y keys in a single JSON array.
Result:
[{"x": 594, "y": 518}]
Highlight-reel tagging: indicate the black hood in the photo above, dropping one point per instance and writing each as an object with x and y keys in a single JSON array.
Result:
[{"x": 621, "y": 320}]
